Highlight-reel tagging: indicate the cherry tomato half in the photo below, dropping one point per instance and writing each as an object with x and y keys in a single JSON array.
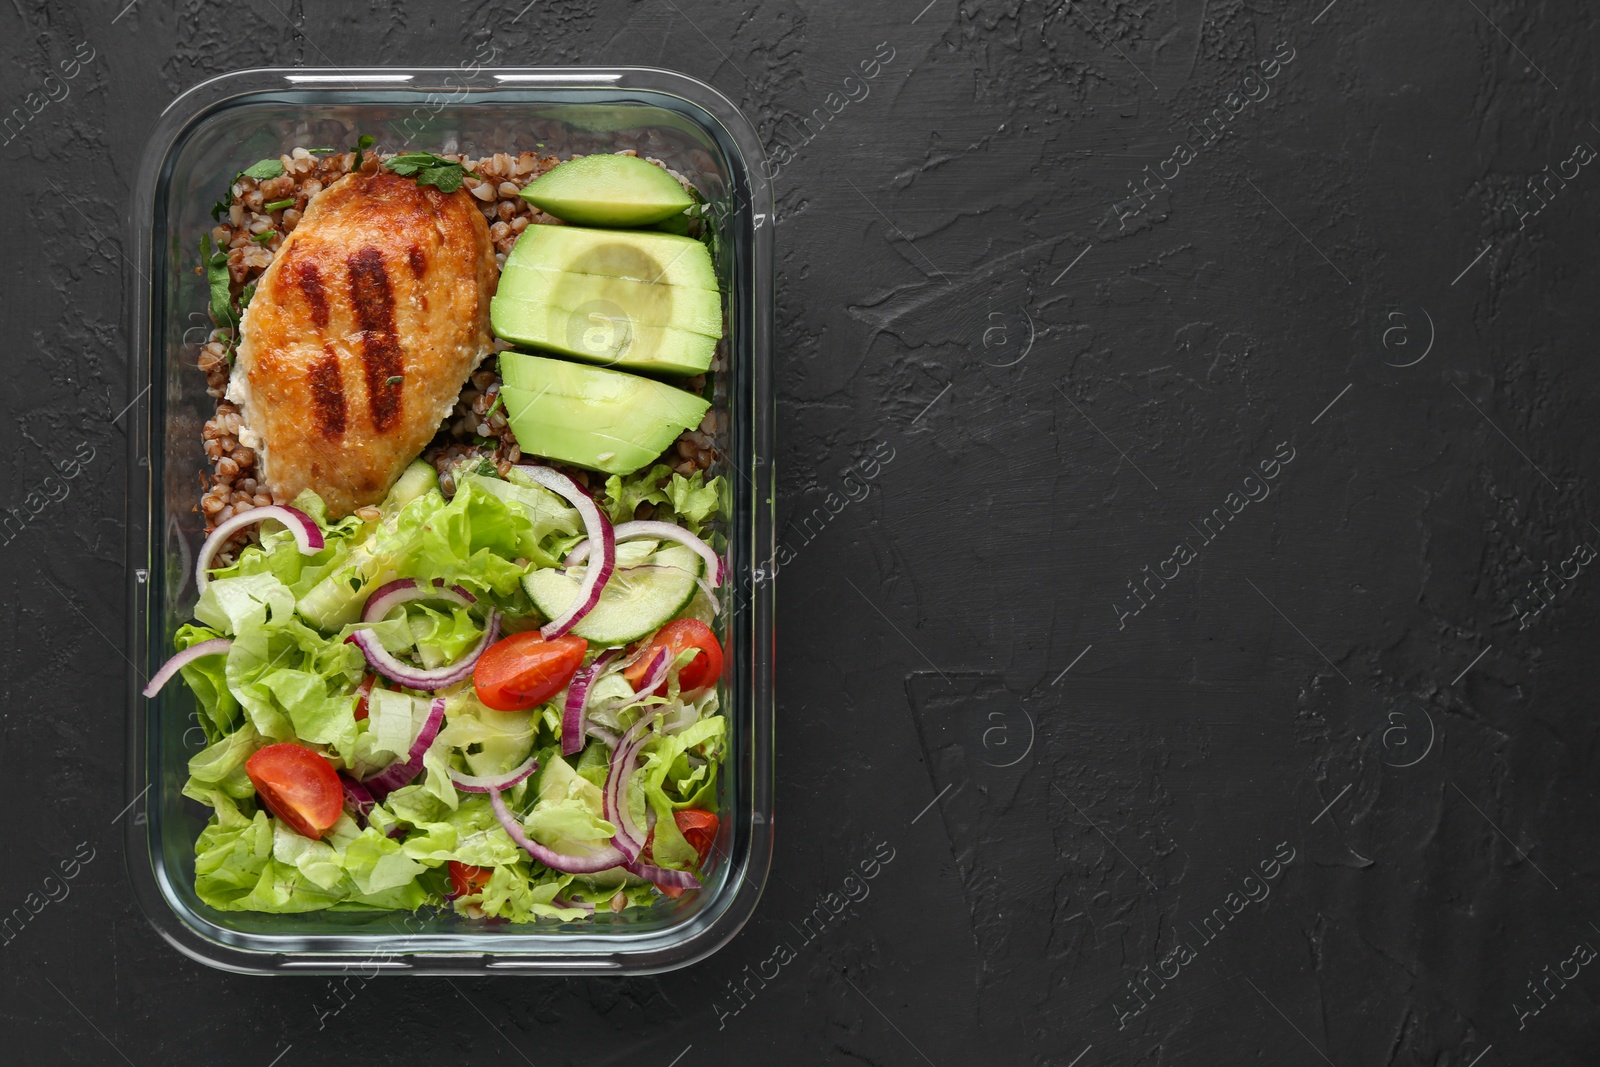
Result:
[
  {"x": 298, "y": 786},
  {"x": 524, "y": 670},
  {"x": 699, "y": 828},
  {"x": 465, "y": 879},
  {"x": 698, "y": 673},
  {"x": 363, "y": 693}
]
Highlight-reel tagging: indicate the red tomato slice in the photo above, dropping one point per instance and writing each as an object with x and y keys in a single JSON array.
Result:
[
  {"x": 298, "y": 786},
  {"x": 363, "y": 692},
  {"x": 699, "y": 828},
  {"x": 465, "y": 879},
  {"x": 524, "y": 670},
  {"x": 675, "y": 637}
]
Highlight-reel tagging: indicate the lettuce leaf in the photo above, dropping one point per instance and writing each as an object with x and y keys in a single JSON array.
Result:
[
  {"x": 293, "y": 683},
  {"x": 694, "y": 500},
  {"x": 623, "y": 496}
]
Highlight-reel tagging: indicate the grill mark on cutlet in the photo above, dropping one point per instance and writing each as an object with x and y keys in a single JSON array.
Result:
[
  {"x": 308, "y": 279},
  {"x": 417, "y": 261},
  {"x": 372, "y": 298},
  {"x": 327, "y": 392}
]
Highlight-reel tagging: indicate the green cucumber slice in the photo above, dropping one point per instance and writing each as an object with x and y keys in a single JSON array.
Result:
[{"x": 634, "y": 604}]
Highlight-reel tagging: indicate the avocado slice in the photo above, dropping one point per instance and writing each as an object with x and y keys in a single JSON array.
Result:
[
  {"x": 603, "y": 420},
  {"x": 642, "y": 303},
  {"x": 608, "y": 190},
  {"x": 600, "y": 331},
  {"x": 644, "y": 256}
]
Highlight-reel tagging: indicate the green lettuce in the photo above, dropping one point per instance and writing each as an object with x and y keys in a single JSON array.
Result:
[
  {"x": 623, "y": 496},
  {"x": 694, "y": 500},
  {"x": 292, "y": 682},
  {"x": 259, "y": 864},
  {"x": 690, "y": 502}
]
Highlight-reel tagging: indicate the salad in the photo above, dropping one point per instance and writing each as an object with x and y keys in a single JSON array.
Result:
[{"x": 478, "y": 674}]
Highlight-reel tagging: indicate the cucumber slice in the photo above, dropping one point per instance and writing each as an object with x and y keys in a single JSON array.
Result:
[
  {"x": 635, "y": 603},
  {"x": 503, "y": 751}
]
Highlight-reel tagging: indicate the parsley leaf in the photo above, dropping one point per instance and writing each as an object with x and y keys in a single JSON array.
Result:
[
  {"x": 217, "y": 281},
  {"x": 220, "y": 208},
  {"x": 244, "y": 297},
  {"x": 446, "y": 178},
  {"x": 395, "y": 380},
  {"x": 278, "y": 205},
  {"x": 267, "y": 168},
  {"x": 364, "y": 142},
  {"x": 446, "y": 175},
  {"x": 264, "y": 236},
  {"x": 321, "y": 151}
]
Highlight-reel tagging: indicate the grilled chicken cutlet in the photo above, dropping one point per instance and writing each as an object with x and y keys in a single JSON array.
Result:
[{"x": 360, "y": 335}]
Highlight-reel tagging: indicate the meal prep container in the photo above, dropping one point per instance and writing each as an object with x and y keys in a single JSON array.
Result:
[{"x": 202, "y": 139}]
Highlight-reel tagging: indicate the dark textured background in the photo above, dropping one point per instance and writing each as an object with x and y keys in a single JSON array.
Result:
[{"x": 1352, "y": 673}]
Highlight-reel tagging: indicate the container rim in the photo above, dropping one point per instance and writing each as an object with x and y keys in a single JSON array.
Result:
[{"x": 751, "y": 452}]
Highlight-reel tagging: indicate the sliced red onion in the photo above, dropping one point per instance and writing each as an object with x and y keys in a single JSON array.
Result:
[
  {"x": 469, "y": 783},
  {"x": 577, "y": 697},
  {"x": 358, "y": 798},
  {"x": 400, "y": 773},
  {"x": 602, "y": 860},
  {"x": 665, "y": 531},
  {"x": 601, "y": 734},
  {"x": 397, "y": 670},
  {"x": 629, "y": 839},
  {"x": 656, "y": 675},
  {"x": 214, "y": 647},
  {"x": 599, "y": 529},
  {"x": 634, "y": 657},
  {"x": 662, "y": 875},
  {"x": 404, "y": 590},
  {"x": 581, "y": 905},
  {"x": 307, "y": 535}
]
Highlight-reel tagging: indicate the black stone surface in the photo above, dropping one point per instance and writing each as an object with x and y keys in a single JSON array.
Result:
[{"x": 1326, "y": 795}]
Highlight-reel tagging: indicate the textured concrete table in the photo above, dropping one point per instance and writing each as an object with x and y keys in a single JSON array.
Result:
[{"x": 1188, "y": 612}]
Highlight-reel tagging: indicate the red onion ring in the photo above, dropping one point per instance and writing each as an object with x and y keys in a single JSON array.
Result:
[
  {"x": 469, "y": 783},
  {"x": 603, "y": 860},
  {"x": 581, "y": 905},
  {"x": 396, "y": 670},
  {"x": 599, "y": 529},
  {"x": 215, "y": 646},
  {"x": 577, "y": 697},
  {"x": 655, "y": 675},
  {"x": 601, "y": 734},
  {"x": 400, "y": 773},
  {"x": 628, "y": 840},
  {"x": 307, "y": 535},
  {"x": 662, "y": 875},
  {"x": 666, "y": 531},
  {"x": 404, "y": 590}
]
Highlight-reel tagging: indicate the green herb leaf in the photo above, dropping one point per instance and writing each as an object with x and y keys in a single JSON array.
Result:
[
  {"x": 220, "y": 208},
  {"x": 278, "y": 205},
  {"x": 364, "y": 142},
  {"x": 321, "y": 151},
  {"x": 244, "y": 297},
  {"x": 446, "y": 175},
  {"x": 217, "y": 281},
  {"x": 267, "y": 168},
  {"x": 499, "y": 398},
  {"x": 264, "y": 236},
  {"x": 446, "y": 179},
  {"x": 395, "y": 380}
]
